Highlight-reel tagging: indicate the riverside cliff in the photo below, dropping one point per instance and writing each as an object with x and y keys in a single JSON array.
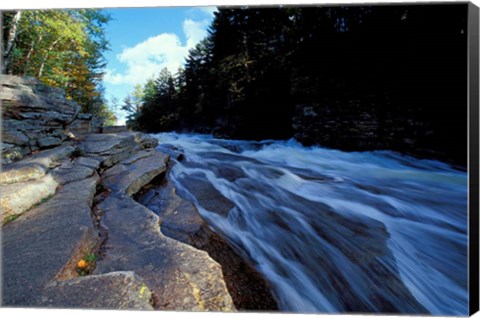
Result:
[{"x": 72, "y": 234}]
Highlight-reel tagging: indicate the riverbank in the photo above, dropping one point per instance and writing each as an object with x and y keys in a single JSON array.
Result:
[
  {"x": 124, "y": 220},
  {"x": 82, "y": 208},
  {"x": 72, "y": 236}
]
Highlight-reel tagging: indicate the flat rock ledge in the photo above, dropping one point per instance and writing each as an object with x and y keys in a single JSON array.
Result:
[
  {"x": 115, "y": 290},
  {"x": 73, "y": 202}
]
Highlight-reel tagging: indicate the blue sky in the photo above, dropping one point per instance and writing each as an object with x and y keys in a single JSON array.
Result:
[{"x": 145, "y": 40}]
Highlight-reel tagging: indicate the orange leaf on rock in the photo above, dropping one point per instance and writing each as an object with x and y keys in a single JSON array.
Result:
[{"x": 82, "y": 264}]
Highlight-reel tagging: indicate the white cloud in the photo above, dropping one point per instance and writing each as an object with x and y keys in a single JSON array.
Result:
[
  {"x": 208, "y": 10},
  {"x": 194, "y": 31},
  {"x": 148, "y": 58}
]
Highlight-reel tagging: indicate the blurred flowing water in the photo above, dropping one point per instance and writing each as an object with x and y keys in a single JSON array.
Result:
[{"x": 333, "y": 231}]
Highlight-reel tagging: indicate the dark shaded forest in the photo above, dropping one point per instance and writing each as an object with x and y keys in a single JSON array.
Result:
[{"x": 352, "y": 78}]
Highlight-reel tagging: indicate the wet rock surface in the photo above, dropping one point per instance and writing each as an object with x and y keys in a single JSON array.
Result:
[
  {"x": 182, "y": 221},
  {"x": 172, "y": 151}
]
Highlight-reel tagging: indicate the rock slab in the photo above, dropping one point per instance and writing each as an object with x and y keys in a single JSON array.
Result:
[
  {"x": 180, "y": 276},
  {"x": 115, "y": 290},
  {"x": 29, "y": 182},
  {"x": 20, "y": 197},
  {"x": 39, "y": 246},
  {"x": 37, "y": 117}
]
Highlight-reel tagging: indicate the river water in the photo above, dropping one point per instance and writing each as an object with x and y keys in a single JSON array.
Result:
[{"x": 334, "y": 231}]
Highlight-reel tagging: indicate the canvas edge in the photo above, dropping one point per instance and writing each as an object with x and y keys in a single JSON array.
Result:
[{"x": 473, "y": 165}]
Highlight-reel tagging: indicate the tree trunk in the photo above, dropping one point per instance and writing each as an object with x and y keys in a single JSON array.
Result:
[
  {"x": 11, "y": 37},
  {"x": 45, "y": 58},
  {"x": 29, "y": 55}
]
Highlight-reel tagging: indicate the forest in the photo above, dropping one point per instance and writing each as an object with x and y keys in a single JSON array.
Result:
[
  {"x": 62, "y": 48},
  {"x": 346, "y": 77},
  {"x": 351, "y": 78}
]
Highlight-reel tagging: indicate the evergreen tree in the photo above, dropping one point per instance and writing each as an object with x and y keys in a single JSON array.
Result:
[
  {"x": 260, "y": 69},
  {"x": 159, "y": 112}
]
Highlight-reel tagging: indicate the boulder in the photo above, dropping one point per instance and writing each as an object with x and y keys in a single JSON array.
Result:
[
  {"x": 137, "y": 156},
  {"x": 26, "y": 95},
  {"x": 139, "y": 267},
  {"x": 110, "y": 160},
  {"x": 11, "y": 153},
  {"x": 144, "y": 140},
  {"x": 86, "y": 124}
]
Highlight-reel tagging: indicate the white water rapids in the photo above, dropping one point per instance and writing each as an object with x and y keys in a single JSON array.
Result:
[{"x": 333, "y": 231}]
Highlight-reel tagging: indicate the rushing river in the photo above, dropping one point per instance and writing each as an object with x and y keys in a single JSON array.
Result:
[{"x": 333, "y": 231}]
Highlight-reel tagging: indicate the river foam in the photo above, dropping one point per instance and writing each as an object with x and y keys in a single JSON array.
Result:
[{"x": 336, "y": 231}]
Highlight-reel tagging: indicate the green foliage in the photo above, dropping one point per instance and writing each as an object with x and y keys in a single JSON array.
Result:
[
  {"x": 63, "y": 48},
  {"x": 10, "y": 218},
  {"x": 106, "y": 113},
  {"x": 90, "y": 257},
  {"x": 152, "y": 107},
  {"x": 87, "y": 264},
  {"x": 43, "y": 200},
  {"x": 228, "y": 77}
]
